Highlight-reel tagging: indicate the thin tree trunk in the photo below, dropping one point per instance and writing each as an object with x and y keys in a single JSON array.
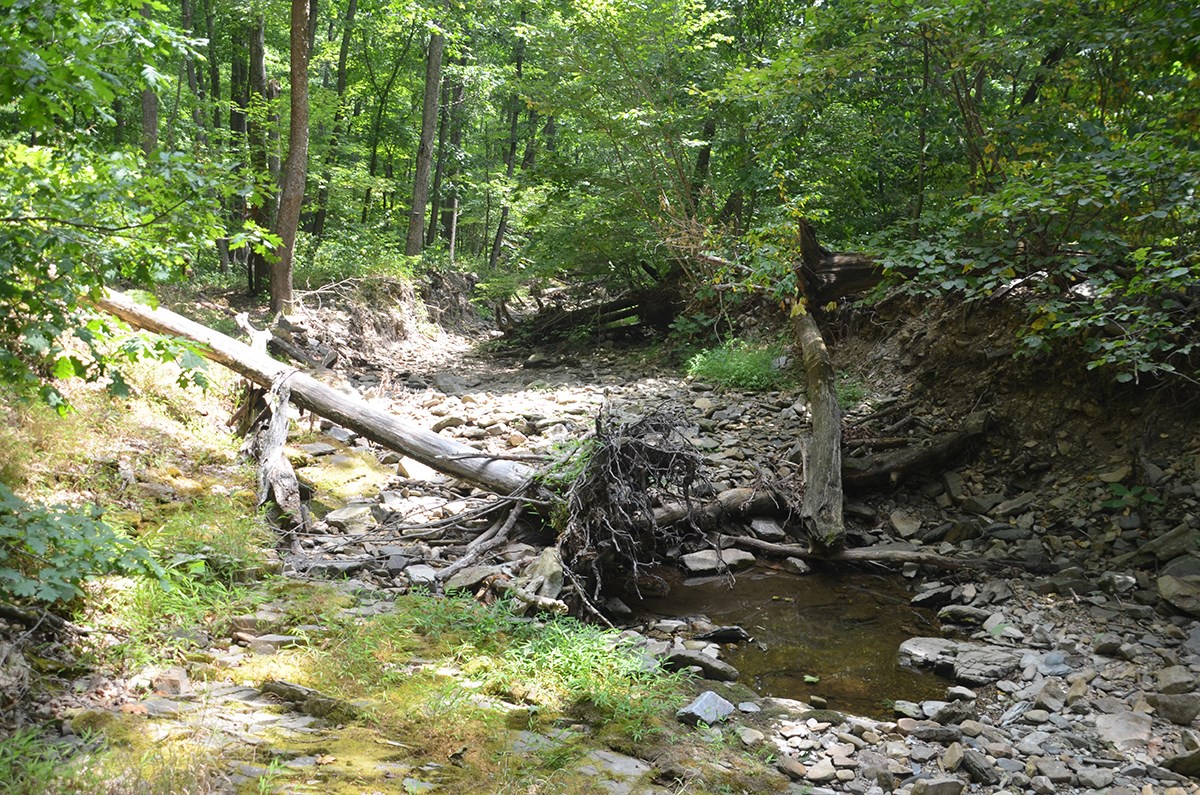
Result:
[
  {"x": 149, "y": 109},
  {"x": 377, "y": 120},
  {"x": 257, "y": 269},
  {"x": 292, "y": 195},
  {"x": 510, "y": 151},
  {"x": 703, "y": 158},
  {"x": 435, "y": 193},
  {"x": 450, "y": 212},
  {"x": 214, "y": 66},
  {"x": 339, "y": 113},
  {"x": 429, "y": 115},
  {"x": 193, "y": 79}
]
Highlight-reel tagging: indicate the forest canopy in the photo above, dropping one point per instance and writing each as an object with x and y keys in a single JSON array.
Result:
[{"x": 1045, "y": 150}]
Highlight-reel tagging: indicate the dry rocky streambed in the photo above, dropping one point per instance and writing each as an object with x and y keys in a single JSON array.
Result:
[{"x": 1081, "y": 680}]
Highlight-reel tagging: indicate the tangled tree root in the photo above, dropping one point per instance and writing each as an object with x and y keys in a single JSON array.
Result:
[{"x": 611, "y": 531}]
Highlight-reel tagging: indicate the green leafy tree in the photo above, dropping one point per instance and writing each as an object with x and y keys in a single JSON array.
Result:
[{"x": 79, "y": 210}]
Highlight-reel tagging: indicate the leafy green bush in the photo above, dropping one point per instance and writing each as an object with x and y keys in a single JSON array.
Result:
[
  {"x": 46, "y": 553},
  {"x": 741, "y": 365},
  {"x": 354, "y": 253}
]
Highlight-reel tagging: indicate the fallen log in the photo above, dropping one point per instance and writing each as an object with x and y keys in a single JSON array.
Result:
[
  {"x": 654, "y": 307},
  {"x": 888, "y": 469},
  {"x": 445, "y": 455},
  {"x": 879, "y": 554}
]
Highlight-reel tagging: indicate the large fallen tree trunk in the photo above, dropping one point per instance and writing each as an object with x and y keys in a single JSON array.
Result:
[
  {"x": 654, "y": 307},
  {"x": 887, "y": 469},
  {"x": 445, "y": 455}
]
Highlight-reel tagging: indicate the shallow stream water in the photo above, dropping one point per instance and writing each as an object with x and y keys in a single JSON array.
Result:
[{"x": 828, "y": 635}]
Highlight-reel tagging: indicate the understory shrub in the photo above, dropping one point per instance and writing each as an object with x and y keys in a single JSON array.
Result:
[
  {"x": 738, "y": 364},
  {"x": 47, "y": 552}
]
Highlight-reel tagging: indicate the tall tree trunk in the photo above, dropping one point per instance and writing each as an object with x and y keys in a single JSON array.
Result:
[
  {"x": 339, "y": 113},
  {"x": 257, "y": 269},
  {"x": 429, "y": 115},
  {"x": 703, "y": 158},
  {"x": 193, "y": 79},
  {"x": 239, "y": 100},
  {"x": 435, "y": 193},
  {"x": 450, "y": 210},
  {"x": 149, "y": 108},
  {"x": 510, "y": 150},
  {"x": 384, "y": 94},
  {"x": 214, "y": 66},
  {"x": 297, "y": 161}
]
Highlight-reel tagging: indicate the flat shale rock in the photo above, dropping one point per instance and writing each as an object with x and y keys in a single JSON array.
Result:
[
  {"x": 710, "y": 561},
  {"x": 712, "y": 667},
  {"x": 708, "y": 708}
]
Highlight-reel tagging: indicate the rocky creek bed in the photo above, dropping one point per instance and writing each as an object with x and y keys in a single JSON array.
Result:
[{"x": 1083, "y": 680}]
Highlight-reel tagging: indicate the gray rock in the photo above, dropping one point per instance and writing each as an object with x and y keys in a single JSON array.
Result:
[
  {"x": 952, "y": 757},
  {"x": 708, "y": 708},
  {"x": 421, "y": 574},
  {"x": 1182, "y": 592},
  {"x": 621, "y": 771},
  {"x": 709, "y": 561},
  {"x": 352, "y": 519},
  {"x": 822, "y": 771},
  {"x": 445, "y": 423},
  {"x": 791, "y": 766},
  {"x": 340, "y": 434},
  {"x": 982, "y": 503},
  {"x": 938, "y": 786},
  {"x": 979, "y": 768},
  {"x": 1186, "y": 764},
  {"x": 271, "y": 643},
  {"x": 336, "y": 568},
  {"x": 1108, "y": 644},
  {"x": 1042, "y": 785},
  {"x": 984, "y": 665},
  {"x": 934, "y": 598},
  {"x": 1125, "y": 729},
  {"x": 750, "y": 737},
  {"x": 1175, "y": 679},
  {"x": 961, "y": 614},
  {"x": 796, "y": 566},
  {"x": 904, "y": 523},
  {"x": 1016, "y": 505},
  {"x": 1054, "y": 770},
  {"x": 1181, "y": 709},
  {"x": 929, "y": 732},
  {"x": 1052, "y": 697},
  {"x": 544, "y": 576},
  {"x": 318, "y": 449},
  {"x": 173, "y": 682},
  {"x": 767, "y": 529},
  {"x": 469, "y": 578},
  {"x": 954, "y": 712},
  {"x": 1095, "y": 778},
  {"x": 712, "y": 667}
]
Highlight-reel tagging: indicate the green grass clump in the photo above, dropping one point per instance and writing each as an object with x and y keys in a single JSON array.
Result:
[
  {"x": 850, "y": 392},
  {"x": 738, "y": 364},
  {"x": 29, "y": 763}
]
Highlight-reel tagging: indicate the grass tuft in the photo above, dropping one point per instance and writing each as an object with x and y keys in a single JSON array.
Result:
[{"x": 738, "y": 364}]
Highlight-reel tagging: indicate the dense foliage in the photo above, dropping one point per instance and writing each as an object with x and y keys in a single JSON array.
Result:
[{"x": 1045, "y": 151}]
